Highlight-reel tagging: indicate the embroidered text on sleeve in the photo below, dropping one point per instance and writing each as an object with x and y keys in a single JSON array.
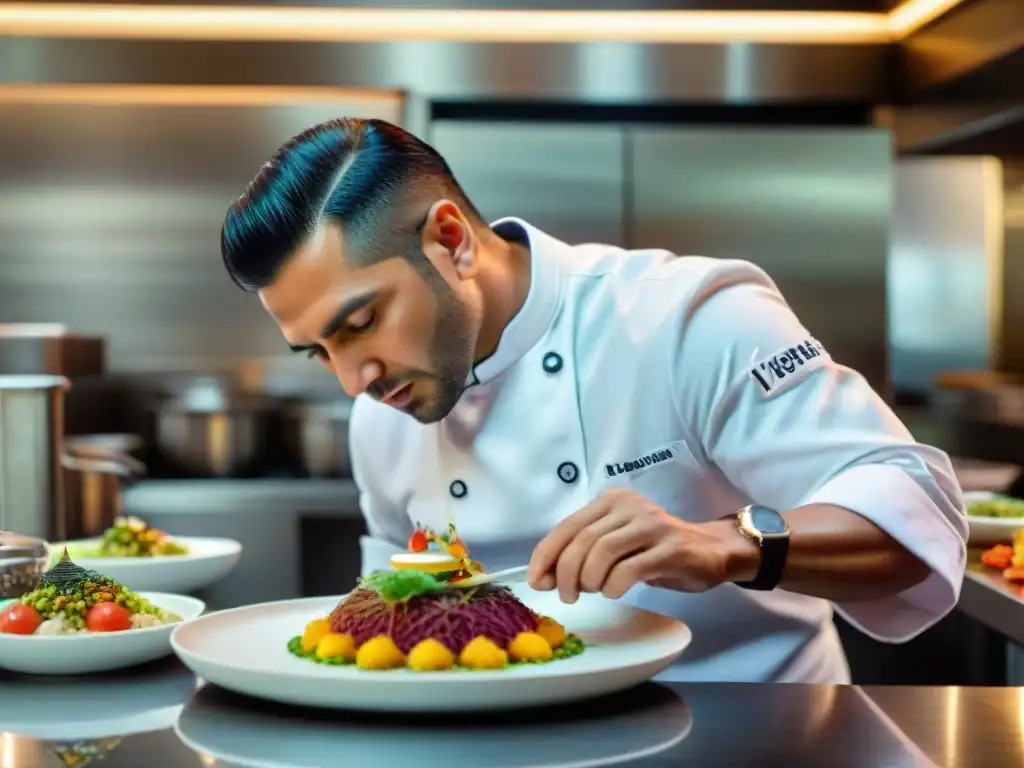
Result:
[{"x": 776, "y": 372}]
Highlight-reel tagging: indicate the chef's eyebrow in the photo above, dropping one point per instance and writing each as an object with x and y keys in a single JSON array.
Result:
[{"x": 348, "y": 307}]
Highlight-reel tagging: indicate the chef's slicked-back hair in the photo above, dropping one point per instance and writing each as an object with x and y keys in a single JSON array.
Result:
[{"x": 372, "y": 179}]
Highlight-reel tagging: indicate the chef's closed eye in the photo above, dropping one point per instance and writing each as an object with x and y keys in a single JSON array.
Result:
[{"x": 362, "y": 321}]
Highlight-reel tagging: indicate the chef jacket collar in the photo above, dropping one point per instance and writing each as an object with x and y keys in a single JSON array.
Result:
[{"x": 534, "y": 318}]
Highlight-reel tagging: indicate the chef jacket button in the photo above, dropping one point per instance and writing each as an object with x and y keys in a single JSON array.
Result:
[
  {"x": 568, "y": 472},
  {"x": 552, "y": 362},
  {"x": 458, "y": 489}
]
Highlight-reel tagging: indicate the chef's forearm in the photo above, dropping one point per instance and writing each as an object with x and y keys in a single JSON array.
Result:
[{"x": 834, "y": 554}]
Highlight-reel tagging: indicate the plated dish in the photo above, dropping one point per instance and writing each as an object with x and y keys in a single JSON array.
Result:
[
  {"x": 134, "y": 552},
  {"x": 70, "y": 600},
  {"x": 79, "y": 621},
  {"x": 995, "y": 506},
  {"x": 417, "y": 616},
  {"x": 399, "y": 643},
  {"x": 992, "y": 517},
  {"x": 131, "y": 537},
  {"x": 1008, "y": 559}
]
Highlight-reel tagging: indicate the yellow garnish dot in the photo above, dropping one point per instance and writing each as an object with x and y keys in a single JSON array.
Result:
[
  {"x": 482, "y": 653},
  {"x": 551, "y": 631},
  {"x": 458, "y": 550},
  {"x": 429, "y": 655},
  {"x": 314, "y": 633},
  {"x": 335, "y": 646},
  {"x": 379, "y": 653},
  {"x": 529, "y": 646}
]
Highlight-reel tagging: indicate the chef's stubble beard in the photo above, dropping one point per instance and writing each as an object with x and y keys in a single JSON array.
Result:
[{"x": 451, "y": 346}]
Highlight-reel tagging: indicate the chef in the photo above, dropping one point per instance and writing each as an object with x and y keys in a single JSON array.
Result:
[{"x": 659, "y": 429}]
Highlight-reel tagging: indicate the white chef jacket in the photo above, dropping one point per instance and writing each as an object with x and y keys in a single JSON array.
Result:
[{"x": 691, "y": 380}]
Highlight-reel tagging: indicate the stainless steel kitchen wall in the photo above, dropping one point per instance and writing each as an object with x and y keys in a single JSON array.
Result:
[
  {"x": 945, "y": 271},
  {"x": 587, "y": 72},
  {"x": 110, "y": 215},
  {"x": 1012, "y": 330},
  {"x": 810, "y": 206},
  {"x": 567, "y": 179}
]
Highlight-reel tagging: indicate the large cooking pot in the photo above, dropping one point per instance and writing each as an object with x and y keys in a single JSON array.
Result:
[
  {"x": 31, "y": 443},
  {"x": 23, "y": 560},
  {"x": 93, "y": 481},
  {"x": 209, "y": 432},
  {"x": 319, "y": 438}
]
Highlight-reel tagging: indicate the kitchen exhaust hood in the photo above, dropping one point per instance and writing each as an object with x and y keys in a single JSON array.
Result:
[{"x": 646, "y": 51}]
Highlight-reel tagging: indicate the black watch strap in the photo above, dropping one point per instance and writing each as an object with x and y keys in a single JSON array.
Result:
[
  {"x": 771, "y": 532},
  {"x": 773, "y": 562}
]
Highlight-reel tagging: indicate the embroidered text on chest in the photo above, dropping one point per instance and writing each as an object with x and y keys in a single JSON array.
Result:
[
  {"x": 788, "y": 364},
  {"x": 644, "y": 461}
]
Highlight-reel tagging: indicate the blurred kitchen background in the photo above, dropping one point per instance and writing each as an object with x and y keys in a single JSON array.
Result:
[{"x": 868, "y": 153}]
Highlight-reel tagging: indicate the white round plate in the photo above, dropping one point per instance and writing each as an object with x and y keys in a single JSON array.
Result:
[
  {"x": 245, "y": 650},
  {"x": 987, "y": 531},
  {"x": 65, "y": 709},
  {"x": 96, "y": 651},
  {"x": 613, "y": 732},
  {"x": 208, "y": 560}
]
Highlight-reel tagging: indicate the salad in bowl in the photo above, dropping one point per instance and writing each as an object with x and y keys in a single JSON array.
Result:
[
  {"x": 78, "y": 621},
  {"x": 70, "y": 599}
]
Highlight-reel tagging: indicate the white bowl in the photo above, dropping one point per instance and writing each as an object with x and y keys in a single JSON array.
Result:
[
  {"x": 988, "y": 531},
  {"x": 245, "y": 650},
  {"x": 207, "y": 561},
  {"x": 96, "y": 651}
]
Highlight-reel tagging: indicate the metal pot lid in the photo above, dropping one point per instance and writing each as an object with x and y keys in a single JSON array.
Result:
[
  {"x": 32, "y": 330},
  {"x": 102, "y": 445},
  {"x": 236, "y": 405},
  {"x": 217, "y": 402},
  {"x": 331, "y": 409},
  {"x": 17, "y": 546},
  {"x": 120, "y": 466},
  {"x": 33, "y": 382}
]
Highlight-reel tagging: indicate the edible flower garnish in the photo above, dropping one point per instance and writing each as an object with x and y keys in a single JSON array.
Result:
[
  {"x": 403, "y": 584},
  {"x": 449, "y": 543}
]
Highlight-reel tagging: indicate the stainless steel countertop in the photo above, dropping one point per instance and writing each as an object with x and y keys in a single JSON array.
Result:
[
  {"x": 164, "y": 717},
  {"x": 990, "y": 599}
]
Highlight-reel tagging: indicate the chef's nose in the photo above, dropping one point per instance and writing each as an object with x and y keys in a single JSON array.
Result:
[{"x": 355, "y": 378}]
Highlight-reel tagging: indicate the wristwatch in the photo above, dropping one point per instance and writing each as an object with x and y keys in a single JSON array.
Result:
[{"x": 771, "y": 532}]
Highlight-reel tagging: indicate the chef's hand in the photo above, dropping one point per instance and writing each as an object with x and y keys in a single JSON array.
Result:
[{"x": 621, "y": 539}]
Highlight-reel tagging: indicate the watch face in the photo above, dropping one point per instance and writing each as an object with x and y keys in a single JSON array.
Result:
[{"x": 767, "y": 521}]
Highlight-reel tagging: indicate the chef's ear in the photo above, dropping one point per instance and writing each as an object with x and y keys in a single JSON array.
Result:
[{"x": 447, "y": 233}]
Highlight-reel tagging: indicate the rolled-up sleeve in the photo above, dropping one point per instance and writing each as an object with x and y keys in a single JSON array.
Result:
[{"x": 788, "y": 427}]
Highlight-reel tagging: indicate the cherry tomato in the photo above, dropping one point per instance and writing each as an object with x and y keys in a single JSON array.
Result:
[
  {"x": 19, "y": 619},
  {"x": 418, "y": 542},
  {"x": 108, "y": 617}
]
